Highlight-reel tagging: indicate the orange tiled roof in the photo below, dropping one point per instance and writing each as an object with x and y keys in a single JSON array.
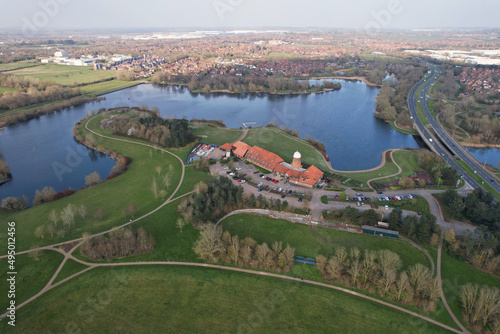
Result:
[
  {"x": 227, "y": 147},
  {"x": 263, "y": 157},
  {"x": 240, "y": 148}
]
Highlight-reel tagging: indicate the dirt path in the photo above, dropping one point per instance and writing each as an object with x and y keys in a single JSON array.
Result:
[
  {"x": 400, "y": 170},
  {"x": 443, "y": 298}
]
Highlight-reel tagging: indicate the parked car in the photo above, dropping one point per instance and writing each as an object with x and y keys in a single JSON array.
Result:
[
  {"x": 380, "y": 192},
  {"x": 276, "y": 181},
  {"x": 279, "y": 190},
  {"x": 386, "y": 208},
  {"x": 235, "y": 177},
  {"x": 358, "y": 204},
  {"x": 232, "y": 174},
  {"x": 243, "y": 181},
  {"x": 283, "y": 196},
  {"x": 373, "y": 206},
  {"x": 238, "y": 168},
  {"x": 260, "y": 189},
  {"x": 300, "y": 199}
]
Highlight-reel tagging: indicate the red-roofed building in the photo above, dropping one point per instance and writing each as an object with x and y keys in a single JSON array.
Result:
[
  {"x": 240, "y": 149},
  {"x": 274, "y": 163},
  {"x": 263, "y": 158},
  {"x": 226, "y": 147}
]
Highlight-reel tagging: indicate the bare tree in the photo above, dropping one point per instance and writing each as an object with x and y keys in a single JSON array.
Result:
[
  {"x": 35, "y": 255},
  {"x": 53, "y": 216},
  {"x": 234, "y": 249},
  {"x": 210, "y": 244},
  {"x": 388, "y": 261},
  {"x": 246, "y": 254},
  {"x": 167, "y": 181},
  {"x": 181, "y": 223},
  {"x": 387, "y": 280},
  {"x": 402, "y": 285},
  {"x": 51, "y": 229},
  {"x": 93, "y": 179},
  {"x": 68, "y": 215},
  {"x": 158, "y": 170},
  {"x": 333, "y": 269},
  {"x": 40, "y": 232},
  {"x": 354, "y": 271},
  {"x": 321, "y": 262},
  {"x": 261, "y": 252},
  {"x": 82, "y": 211},
  {"x": 154, "y": 188},
  {"x": 289, "y": 254},
  {"x": 132, "y": 209}
]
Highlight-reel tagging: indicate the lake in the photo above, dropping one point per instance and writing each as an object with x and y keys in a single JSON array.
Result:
[{"x": 42, "y": 152}]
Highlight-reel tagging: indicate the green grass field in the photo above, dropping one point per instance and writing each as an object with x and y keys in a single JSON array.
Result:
[
  {"x": 32, "y": 276},
  {"x": 16, "y": 65},
  {"x": 193, "y": 300},
  {"x": 214, "y": 134},
  {"x": 310, "y": 242},
  {"x": 389, "y": 168},
  {"x": 69, "y": 268},
  {"x": 65, "y": 75},
  {"x": 407, "y": 160},
  {"x": 456, "y": 273},
  {"x": 107, "y": 87},
  {"x": 113, "y": 195},
  {"x": 284, "y": 145}
]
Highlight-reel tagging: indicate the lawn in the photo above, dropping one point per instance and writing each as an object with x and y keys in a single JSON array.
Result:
[
  {"x": 310, "y": 242},
  {"x": 191, "y": 178},
  {"x": 284, "y": 145},
  {"x": 407, "y": 160},
  {"x": 214, "y": 134},
  {"x": 31, "y": 276},
  {"x": 421, "y": 206},
  {"x": 16, "y": 65},
  {"x": 65, "y": 75},
  {"x": 193, "y": 300},
  {"x": 70, "y": 267},
  {"x": 131, "y": 187},
  {"x": 389, "y": 168},
  {"x": 456, "y": 273},
  {"x": 107, "y": 87}
]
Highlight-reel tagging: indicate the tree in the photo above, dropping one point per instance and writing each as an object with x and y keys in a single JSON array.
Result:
[
  {"x": 321, "y": 262},
  {"x": 68, "y": 215},
  {"x": 131, "y": 209},
  {"x": 234, "y": 249},
  {"x": 53, "y": 216},
  {"x": 93, "y": 179},
  {"x": 12, "y": 204},
  {"x": 402, "y": 285},
  {"x": 158, "y": 170},
  {"x": 261, "y": 252},
  {"x": 82, "y": 211},
  {"x": 354, "y": 271},
  {"x": 51, "y": 229},
  {"x": 394, "y": 219},
  {"x": 181, "y": 223},
  {"x": 209, "y": 245},
  {"x": 40, "y": 231},
  {"x": 154, "y": 188},
  {"x": 35, "y": 254}
]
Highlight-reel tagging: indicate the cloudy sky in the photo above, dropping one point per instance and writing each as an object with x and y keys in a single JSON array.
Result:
[{"x": 357, "y": 14}]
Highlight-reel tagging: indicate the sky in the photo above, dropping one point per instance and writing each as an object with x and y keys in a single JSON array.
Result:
[{"x": 153, "y": 14}]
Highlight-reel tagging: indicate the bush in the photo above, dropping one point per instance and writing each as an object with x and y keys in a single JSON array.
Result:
[{"x": 12, "y": 204}]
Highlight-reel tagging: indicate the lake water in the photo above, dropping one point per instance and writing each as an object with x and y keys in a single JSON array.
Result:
[
  {"x": 491, "y": 156},
  {"x": 42, "y": 152}
]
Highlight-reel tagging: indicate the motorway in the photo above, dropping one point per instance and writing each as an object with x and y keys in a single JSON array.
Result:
[{"x": 435, "y": 146}]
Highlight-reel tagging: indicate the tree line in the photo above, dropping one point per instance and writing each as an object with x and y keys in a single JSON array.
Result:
[
  {"x": 120, "y": 243},
  {"x": 435, "y": 165},
  {"x": 4, "y": 170},
  {"x": 219, "y": 196},
  {"x": 31, "y": 91},
  {"x": 215, "y": 246},
  {"x": 478, "y": 207},
  {"x": 421, "y": 229},
  {"x": 165, "y": 132},
  {"x": 481, "y": 307},
  {"x": 242, "y": 84},
  {"x": 392, "y": 101},
  {"x": 380, "y": 271},
  {"x": 479, "y": 250}
]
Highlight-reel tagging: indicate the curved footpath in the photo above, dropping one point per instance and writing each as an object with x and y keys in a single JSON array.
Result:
[{"x": 69, "y": 255}]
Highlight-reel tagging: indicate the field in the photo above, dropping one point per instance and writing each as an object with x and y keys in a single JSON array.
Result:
[
  {"x": 113, "y": 195},
  {"x": 407, "y": 160},
  {"x": 65, "y": 75},
  {"x": 456, "y": 273},
  {"x": 284, "y": 145},
  {"x": 70, "y": 267},
  {"x": 107, "y": 87},
  {"x": 214, "y": 134},
  {"x": 32, "y": 275},
  {"x": 16, "y": 65},
  {"x": 389, "y": 168},
  {"x": 310, "y": 242},
  {"x": 192, "y": 300}
]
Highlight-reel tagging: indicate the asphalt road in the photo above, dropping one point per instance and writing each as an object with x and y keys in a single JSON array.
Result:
[{"x": 458, "y": 150}]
